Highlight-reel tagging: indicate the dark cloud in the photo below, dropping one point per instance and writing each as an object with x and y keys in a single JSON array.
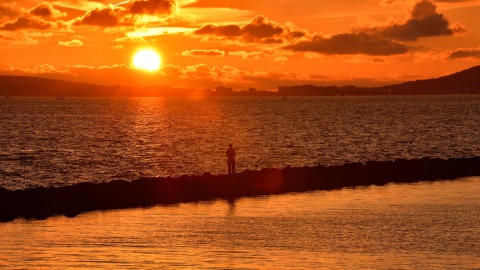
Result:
[
  {"x": 113, "y": 15},
  {"x": 231, "y": 30},
  {"x": 259, "y": 30},
  {"x": 425, "y": 21},
  {"x": 43, "y": 10},
  {"x": 200, "y": 53},
  {"x": 356, "y": 43},
  {"x": 46, "y": 10},
  {"x": 27, "y": 22},
  {"x": 153, "y": 7},
  {"x": 107, "y": 16},
  {"x": 36, "y": 18},
  {"x": 464, "y": 53}
]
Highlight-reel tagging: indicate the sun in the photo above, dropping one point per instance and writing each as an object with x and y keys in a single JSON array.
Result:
[{"x": 147, "y": 59}]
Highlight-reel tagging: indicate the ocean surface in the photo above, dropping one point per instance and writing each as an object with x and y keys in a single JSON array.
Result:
[
  {"x": 58, "y": 142},
  {"x": 410, "y": 226}
]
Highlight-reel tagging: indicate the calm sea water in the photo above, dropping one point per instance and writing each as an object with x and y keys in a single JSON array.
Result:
[
  {"x": 50, "y": 142},
  {"x": 416, "y": 226}
]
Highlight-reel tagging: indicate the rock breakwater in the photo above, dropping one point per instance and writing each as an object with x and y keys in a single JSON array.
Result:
[{"x": 41, "y": 203}]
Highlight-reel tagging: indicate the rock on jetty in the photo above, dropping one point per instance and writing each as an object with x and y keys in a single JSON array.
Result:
[{"x": 41, "y": 203}]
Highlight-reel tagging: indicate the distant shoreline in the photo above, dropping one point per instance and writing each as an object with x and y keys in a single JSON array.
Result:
[{"x": 460, "y": 83}]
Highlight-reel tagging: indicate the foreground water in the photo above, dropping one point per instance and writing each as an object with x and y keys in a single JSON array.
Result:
[
  {"x": 50, "y": 142},
  {"x": 415, "y": 226}
]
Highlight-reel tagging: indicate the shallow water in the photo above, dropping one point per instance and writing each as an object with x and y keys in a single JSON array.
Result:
[
  {"x": 411, "y": 226},
  {"x": 50, "y": 142}
]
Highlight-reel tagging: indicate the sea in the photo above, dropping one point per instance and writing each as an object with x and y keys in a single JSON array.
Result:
[{"x": 49, "y": 142}]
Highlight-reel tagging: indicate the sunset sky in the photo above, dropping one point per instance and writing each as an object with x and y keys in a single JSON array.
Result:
[{"x": 239, "y": 44}]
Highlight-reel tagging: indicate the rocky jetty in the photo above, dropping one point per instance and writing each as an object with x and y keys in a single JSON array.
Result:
[{"x": 41, "y": 203}]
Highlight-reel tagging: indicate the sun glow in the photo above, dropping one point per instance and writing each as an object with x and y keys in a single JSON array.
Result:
[{"x": 147, "y": 59}]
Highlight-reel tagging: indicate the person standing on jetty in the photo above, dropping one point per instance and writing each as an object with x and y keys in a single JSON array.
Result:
[{"x": 231, "y": 159}]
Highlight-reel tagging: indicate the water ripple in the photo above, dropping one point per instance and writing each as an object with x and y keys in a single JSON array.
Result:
[{"x": 49, "y": 142}]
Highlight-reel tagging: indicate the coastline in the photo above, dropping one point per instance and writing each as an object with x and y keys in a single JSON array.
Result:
[{"x": 41, "y": 203}]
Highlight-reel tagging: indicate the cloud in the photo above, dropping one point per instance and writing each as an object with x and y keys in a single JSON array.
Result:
[
  {"x": 359, "y": 43},
  {"x": 430, "y": 56},
  {"x": 131, "y": 39},
  {"x": 106, "y": 16},
  {"x": 72, "y": 43},
  {"x": 79, "y": 5},
  {"x": 25, "y": 41},
  {"x": 153, "y": 7},
  {"x": 464, "y": 53},
  {"x": 199, "y": 76},
  {"x": 259, "y": 30},
  {"x": 454, "y": 1},
  {"x": 38, "y": 70},
  {"x": 136, "y": 12},
  {"x": 6, "y": 37},
  {"x": 277, "y": 56},
  {"x": 201, "y": 53},
  {"x": 27, "y": 22},
  {"x": 36, "y": 18},
  {"x": 424, "y": 21},
  {"x": 21, "y": 37},
  {"x": 8, "y": 11},
  {"x": 46, "y": 10},
  {"x": 251, "y": 55}
]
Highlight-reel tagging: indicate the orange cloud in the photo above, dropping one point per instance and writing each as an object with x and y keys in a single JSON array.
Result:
[
  {"x": 425, "y": 21},
  {"x": 464, "y": 53},
  {"x": 107, "y": 16},
  {"x": 153, "y": 7},
  {"x": 360, "y": 43},
  {"x": 139, "y": 11},
  {"x": 8, "y": 11},
  {"x": 259, "y": 30},
  {"x": 27, "y": 22},
  {"x": 454, "y": 1},
  {"x": 277, "y": 56},
  {"x": 200, "y": 53},
  {"x": 193, "y": 77},
  {"x": 251, "y": 55},
  {"x": 47, "y": 10},
  {"x": 34, "y": 19},
  {"x": 72, "y": 43}
]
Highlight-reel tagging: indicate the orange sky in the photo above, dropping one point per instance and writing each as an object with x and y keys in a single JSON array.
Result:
[{"x": 240, "y": 44}]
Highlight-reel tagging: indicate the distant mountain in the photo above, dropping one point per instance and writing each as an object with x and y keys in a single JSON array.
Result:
[
  {"x": 40, "y": 87},
  {"x": 463, "y": 82},
  {"x": 36, "y": 87}
]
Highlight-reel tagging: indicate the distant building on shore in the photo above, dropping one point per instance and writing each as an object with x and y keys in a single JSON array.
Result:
[{"x": 224, "y": 90}]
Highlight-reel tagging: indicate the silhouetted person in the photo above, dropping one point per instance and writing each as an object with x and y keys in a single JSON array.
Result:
[{"x": 231, "y": 159}]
